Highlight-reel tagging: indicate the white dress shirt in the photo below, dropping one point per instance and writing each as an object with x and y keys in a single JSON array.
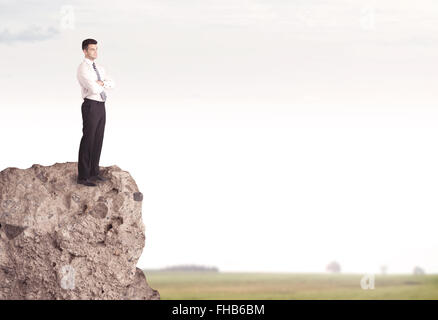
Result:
[{"x": 87, "y": 78}]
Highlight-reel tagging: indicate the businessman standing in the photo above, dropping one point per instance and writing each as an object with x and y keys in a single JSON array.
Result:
[{"x": 93, "y": 81}]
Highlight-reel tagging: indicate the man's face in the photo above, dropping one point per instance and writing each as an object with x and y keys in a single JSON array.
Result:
[{"x": 91, "y": 51}]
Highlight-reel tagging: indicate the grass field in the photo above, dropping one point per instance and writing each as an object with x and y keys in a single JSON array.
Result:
[{"x": 224, "y": 285}]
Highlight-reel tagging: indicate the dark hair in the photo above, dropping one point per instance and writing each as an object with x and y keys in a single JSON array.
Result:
[{"x": 86, "y": 42}]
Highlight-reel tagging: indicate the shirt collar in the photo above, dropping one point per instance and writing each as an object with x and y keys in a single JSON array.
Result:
[{"x": 90, "y": 62}]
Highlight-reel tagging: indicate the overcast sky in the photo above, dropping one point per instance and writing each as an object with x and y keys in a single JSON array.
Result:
[{"x": 265, "y": 135}]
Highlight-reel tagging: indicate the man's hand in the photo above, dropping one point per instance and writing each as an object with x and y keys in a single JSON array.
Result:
[{"x": 99, "y": 82}]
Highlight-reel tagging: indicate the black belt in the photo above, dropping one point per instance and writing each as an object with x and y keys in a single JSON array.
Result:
[{"x": 91, "y": 100}]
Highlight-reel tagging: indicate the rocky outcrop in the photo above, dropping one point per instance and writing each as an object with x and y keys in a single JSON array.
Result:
[{"x": 63, "y": 240}]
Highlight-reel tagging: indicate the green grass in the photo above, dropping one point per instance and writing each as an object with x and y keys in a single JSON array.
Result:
[{"x": 227, "y": 285}]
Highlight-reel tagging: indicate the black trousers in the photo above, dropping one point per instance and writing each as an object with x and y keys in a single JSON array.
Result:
[{"x": 93, "y": 127}]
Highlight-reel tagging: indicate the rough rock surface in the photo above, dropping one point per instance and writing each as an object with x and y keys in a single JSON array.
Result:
[{"x": 63, "y": 240}]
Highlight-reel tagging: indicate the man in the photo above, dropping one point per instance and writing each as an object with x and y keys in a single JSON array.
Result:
[{"x": 93, "y": 81}]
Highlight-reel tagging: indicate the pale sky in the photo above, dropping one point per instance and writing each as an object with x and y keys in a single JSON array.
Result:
[{"x": 264, "y": 135}]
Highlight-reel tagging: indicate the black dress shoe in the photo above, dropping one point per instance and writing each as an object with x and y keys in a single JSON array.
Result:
[
  {"x": 98, "y": 178},
  {"x": 86, "y": 182}
]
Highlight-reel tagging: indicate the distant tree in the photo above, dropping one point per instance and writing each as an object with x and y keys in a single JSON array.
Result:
[
  {"x": 191, "y": 267},
  {"x": 333, "y": 267},
  {"x": 418, "y": 271}
]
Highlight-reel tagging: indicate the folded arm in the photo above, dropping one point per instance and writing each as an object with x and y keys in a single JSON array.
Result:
[{"x": 87, "y": 81}]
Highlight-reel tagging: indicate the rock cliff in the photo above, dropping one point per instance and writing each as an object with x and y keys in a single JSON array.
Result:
[{"x": 63, "y": 240}]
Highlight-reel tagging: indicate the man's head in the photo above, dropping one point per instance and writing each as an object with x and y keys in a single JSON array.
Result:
[{"x": 89, "y": 47}]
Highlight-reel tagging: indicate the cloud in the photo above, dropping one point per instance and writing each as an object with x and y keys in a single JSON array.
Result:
[
  {"x": 32, "y": 20},
  {"x": 30, "y": 34}
]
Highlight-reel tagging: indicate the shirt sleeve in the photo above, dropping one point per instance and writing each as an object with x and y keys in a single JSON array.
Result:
[
  {"x": 87, "y": 81},
  {"x": 108, "y": 81}
]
